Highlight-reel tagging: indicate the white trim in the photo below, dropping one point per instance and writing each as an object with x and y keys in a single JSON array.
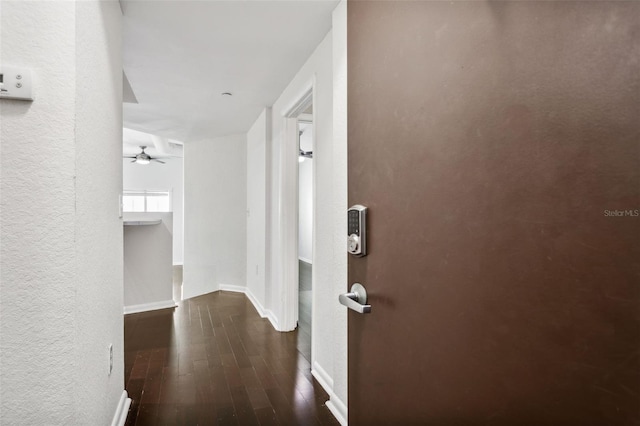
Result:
[
  {"x": 273, "y": 320},
  {"x": 289, "y": 224},
  {"x": 305, "y": 260},
  {"x": 334, "y": 404},
  {"x": 339, "y": 161},
  {"x": 288, "y": 201},
  {"x": 264, "y": 313},
  {"x": 338, "y": 409},
  {"x": 256, "y": 303},
  {"x": 300, "y": 100},
  {"x": 233, "y": 288},
  {"x": 153, "y": 306},
  {"x": 322, "y": 377},
  {"x": 120, "y": 416},
  {"x": 305, "y": 118}
]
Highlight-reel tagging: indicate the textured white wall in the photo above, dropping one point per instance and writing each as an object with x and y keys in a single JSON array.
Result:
[
  {"x": 60, "y": 235},
  {"x": 148, "y": 271},
  {"x": 37, "y": 303},
  {"x": 215, "y": 205},
  {"x": 256, "y": 205},
  {"x": 157, "y": 176},
  {"x": 98, "y": 233}
]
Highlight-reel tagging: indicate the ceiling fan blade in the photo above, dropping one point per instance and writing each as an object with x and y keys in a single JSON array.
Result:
[
  {"x": 134, "y": 159},
  {"x": 159, "y": 161},
  {"x": 129, "y": 156}
]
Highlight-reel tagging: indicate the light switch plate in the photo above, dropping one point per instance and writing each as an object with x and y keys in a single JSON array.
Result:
[{"x": 16, "y": 83}]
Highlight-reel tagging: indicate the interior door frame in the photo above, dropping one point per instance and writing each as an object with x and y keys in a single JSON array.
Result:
[{"x": 288, "y": 208}]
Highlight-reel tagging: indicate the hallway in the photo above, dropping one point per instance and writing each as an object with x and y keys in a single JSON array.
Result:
[{"x": 213, "y": 360}]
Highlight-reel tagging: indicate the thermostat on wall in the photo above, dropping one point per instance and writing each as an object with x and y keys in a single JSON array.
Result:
[{"x": 15, "y": 83}]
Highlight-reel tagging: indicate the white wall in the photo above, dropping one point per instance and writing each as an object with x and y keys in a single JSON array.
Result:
[
  {"x": 256, "y": 205},
  {"x": 61, "y": 238},
  {"x": 326, "y": 68},
  {"x": 156, "y": 176},
  {"x": 215, "y": 224},
  {"x": 318, "y": 69},
  {"x": 148, "y": 271},
  {"x": 305, "y": 198}
]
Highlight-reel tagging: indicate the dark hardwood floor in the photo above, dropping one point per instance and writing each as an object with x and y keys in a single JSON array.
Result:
[{"x": 214, "y": 361}]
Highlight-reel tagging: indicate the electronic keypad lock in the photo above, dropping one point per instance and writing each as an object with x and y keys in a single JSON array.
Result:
[{"x": 357, "y": 230}]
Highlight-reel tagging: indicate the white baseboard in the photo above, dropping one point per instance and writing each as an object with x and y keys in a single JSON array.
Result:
[
  {"x": 322, "y": 377},
  {"x": 234, "y": 288},
  {"x": 272, "y": 319},
  {"x": 120, "y": 416},
  {"x": 305, "y": 260},
  {"x": 337, "y": 407},
  {"x": 144, "y": 307},
  {"x": 264, "y": 313},
  {"x": 256, "y": 303}
]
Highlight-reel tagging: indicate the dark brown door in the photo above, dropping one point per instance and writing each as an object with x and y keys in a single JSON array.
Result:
[{"x": 496, "y": 145}]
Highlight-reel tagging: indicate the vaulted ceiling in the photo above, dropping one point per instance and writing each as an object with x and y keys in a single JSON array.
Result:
[{"x": 181, "y": 56}]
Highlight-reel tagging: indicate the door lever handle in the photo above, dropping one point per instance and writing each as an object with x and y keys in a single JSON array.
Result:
[{"x": 356, "y": 299}]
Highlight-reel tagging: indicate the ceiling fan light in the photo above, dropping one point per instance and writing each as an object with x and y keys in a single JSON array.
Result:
[{"x": 142, "y": 161}]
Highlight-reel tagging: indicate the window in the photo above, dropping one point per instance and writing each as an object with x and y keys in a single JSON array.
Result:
[{"x": 146, "y": 201}]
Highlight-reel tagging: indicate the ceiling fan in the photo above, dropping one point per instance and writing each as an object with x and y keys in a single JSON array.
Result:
[{"x": 144, "y": 158}]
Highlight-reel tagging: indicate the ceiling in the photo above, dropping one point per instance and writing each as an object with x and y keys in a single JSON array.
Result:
[
  {"x": 156, "y": 146},
  {"x": 180, "y": 56}
]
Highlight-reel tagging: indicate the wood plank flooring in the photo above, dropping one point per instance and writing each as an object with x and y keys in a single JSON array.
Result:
[{"x": 214, "y": 361}]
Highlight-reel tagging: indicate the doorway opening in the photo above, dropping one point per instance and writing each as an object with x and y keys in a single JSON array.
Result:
[
  {"x": 305, "y": 230},
  {"x": 299, "y": 117}
]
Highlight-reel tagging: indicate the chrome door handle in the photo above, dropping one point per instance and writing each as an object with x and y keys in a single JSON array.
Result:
[{"x": 356, "y": 299}]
